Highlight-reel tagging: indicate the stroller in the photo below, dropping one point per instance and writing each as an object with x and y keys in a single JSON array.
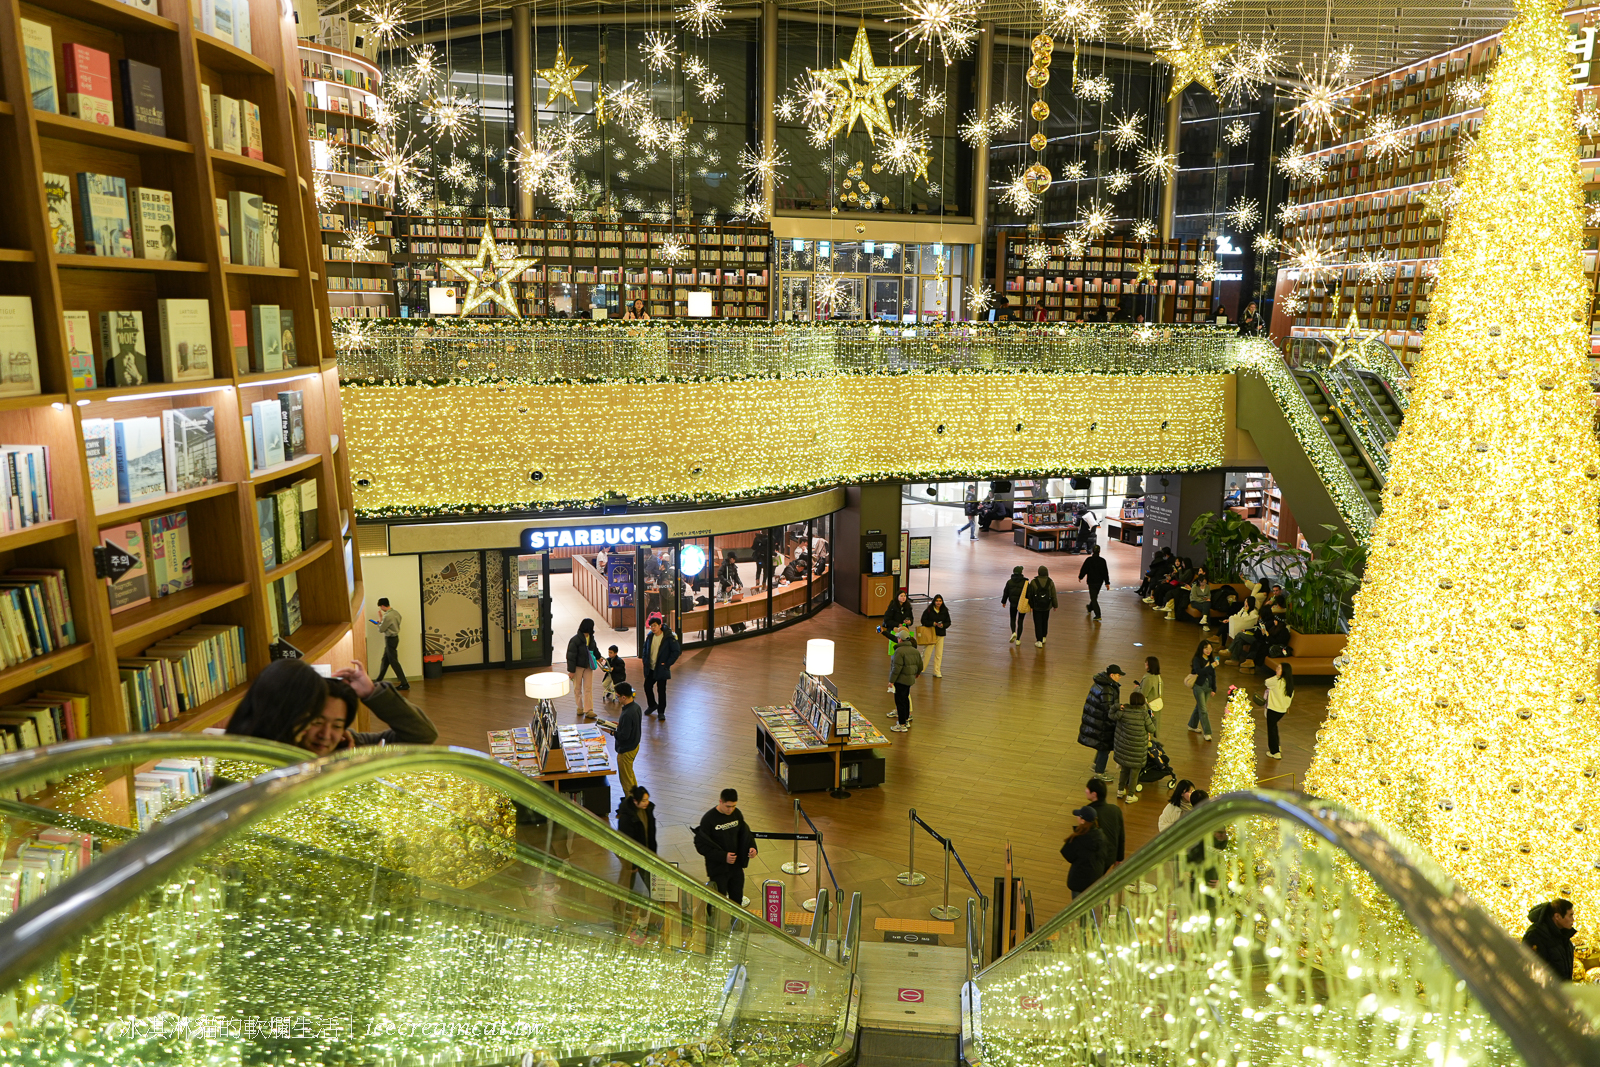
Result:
[{"x": 1157, "y": 767}]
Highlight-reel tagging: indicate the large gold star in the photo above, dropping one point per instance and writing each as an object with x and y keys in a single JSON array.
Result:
[
  {"x": 489, "y": 276},
  {"x": 860, "y": 88},
  {"x": 1353, "y": 341},
  {"x": 560, "y": 77},
  {"x": 1191, "y": 61},
  {"x": 1144, "y": 270}
]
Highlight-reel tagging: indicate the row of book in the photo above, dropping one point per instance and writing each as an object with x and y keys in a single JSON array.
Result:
[
  {"x": 228, "y": 20},
  {"x": 287, "y": 522},
  {"x": 130, "y": 459},
  {"x": 359, "y": 79},
  {"x": 180, "y": 673},
  {"x": 275, "y": 430},
  {"x": 44, "y": 718},
  {"x": 147, "y": 560},
  {"x": 27, "y": 493},
  {"x": 35, "y": 614},
  {"x": 166, "y": 784},
  {"x": 86, "y": 83},
  {"x": 232, "y": 125},
  {"x": 110, "y": 228},
  {"x": 248, "y": 228},
  {"x": 123, "y": 358},
  {"x": 44, "y": 861}
]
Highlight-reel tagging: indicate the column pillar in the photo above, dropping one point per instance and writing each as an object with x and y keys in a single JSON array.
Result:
[
  {"x": 1169, "y": 191},
  {"x": 980, "y": 158},
  {"x": 522, "y": 92},
  {"x": 769, "y": 94}
]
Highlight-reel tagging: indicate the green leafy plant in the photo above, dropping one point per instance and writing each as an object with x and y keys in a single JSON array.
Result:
[
  {"x": 1231, "y": 542},
  {"x": 1318, "y": 584}
]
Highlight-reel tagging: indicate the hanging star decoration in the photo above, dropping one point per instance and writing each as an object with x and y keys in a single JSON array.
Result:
[
  {"x": 559, "y": 77},
  {"x": 1353, "y": 341},
  {"x": 489, "y": 275},
  {"x": 1191, "y": 61},
  {"x": 1145, "y": 269},
  {"x": 861, "y": 88}
]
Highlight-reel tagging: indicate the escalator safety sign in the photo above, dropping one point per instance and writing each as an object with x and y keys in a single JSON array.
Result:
[
  {"x": 911, "y": 996},
  {"x": 1028, "y": 1002},
  {"x": 792, "y": 985}
]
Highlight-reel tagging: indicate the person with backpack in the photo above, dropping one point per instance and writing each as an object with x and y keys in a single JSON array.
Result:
[
  {"x": 1041, "y": 594},
  {"x": 1012, "y": 598},
  {"x": 904, "y": 669}
]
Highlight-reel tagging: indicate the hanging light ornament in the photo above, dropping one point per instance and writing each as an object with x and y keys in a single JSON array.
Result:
[
  {"x": 1236, "y": 132},
  {"x": 1074, "y": 171},
  {"x": 1192, "y": 61},
  {"x": 1119, "y": 181},
  {"x": 1321, "y": 97},
  {"x": 1312, "y": 261},
  {"x": 395, "y": 165},
  {"x": 760, "y": 167},
  {"x": 980, "y": 298},
  {"x": 1126, "y": 130},
  {"x": 1144, "y": 231},
  {"x": 1156, "y": 164},
  {"x": 451, "y": 116},
  {"x": 1373, "y": 267},
  {"x": 1384, "y": 139},
  {"x": 1036, "y": 255},
  {"x": 709, "y": 89},
  {"x": 1264, "y": 242},
  {"x": 385, "y": 21},
  {"x": 1019, "y": 194},
  {"x": 1243, "y": 213},
  {"x": 932, "y": 103},
  {"x": 658, "y": 50},
  {"x": 1146, "y": 20},
  {"x": 1096, "y": 87},
  {"x": 1096, "y": 218},
  {"x": 424, "y": 69},
  {"x": 949, "y": 25},
  {"x": 702, "y": 16}
]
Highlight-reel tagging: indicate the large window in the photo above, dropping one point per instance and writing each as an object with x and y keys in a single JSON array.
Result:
[{"x": 881, "y": 280}]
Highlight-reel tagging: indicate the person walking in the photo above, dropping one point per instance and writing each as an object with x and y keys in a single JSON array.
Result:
[
  {"x": 1280, "y": 692},
  {"x": 728, "y": 845},
  {"x": 583, "y": 659},
  {"x": 1097, "y": 729},
  {"x": 1110, "y": 817},
  {"x": 1012, "y": 598},
  {"x": 388, "y": 624},
  {"x": 1133, "y": 732},
  {"x": 660, "y": 652},
  {"x": 936, "y": 617},
  {"x": 1086, "y": 851},
  {"x": 626, "y": 731},
  {"x": 1041, "y": 594},
  {"x": 1177, "y": 805},
  {"x": 904, "y": 669},
  {"x": 1550, "y": 937},
  {"x": 970, "y": 510},
  {"x": 1150, "y": 686},
  {"x": 1097, "y": 574},
  {"x": 636, "y": 819},
  {"x": 1203, "y": 669}
]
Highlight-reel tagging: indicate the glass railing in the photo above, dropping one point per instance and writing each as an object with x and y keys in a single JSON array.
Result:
[
  {"x": 405, "y": 906},
  {"x": 1265, "y": 928}
]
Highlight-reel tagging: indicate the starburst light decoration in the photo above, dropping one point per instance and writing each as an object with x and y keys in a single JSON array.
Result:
[
  {"x": 1126, "y": 129},
  {"x": 673, "y": 249},
  {"x": 1321, "y": 95},
  {"x": 489, "y": 275},
  {"x": 451, "y": 115},
  {"x": 1075, "y": 170},
  {"x": 1017, "y": 196},
  {"x": 1206, "y": 270},
  {"x": 1587, "y": 118},
  {"x": 1289, "y": 213},
  {"x": 1373, "y": 267},
  {"x": 694, "y": 67},
  {"x": 760, "y": 167},
  {"x": 752, "y": 209},
  {"x": 906, "y": 150},
  {"x": 1036, "y": 255},
  {"x": 359, "y": 242},
  {"x": 1439, "y": 199},
  {"x": 1144, "y": 231},
  {"x": 1236, "y": 132},
  {"x": 702, "y": 16},
  {"x": 396, "y": 165},
  {"x": 1264, "y": 242},
  {"x": 459, "y": 172},
  {"x": 932, "y": 102},
  {"x": 786, "y": 109},
  {"x": 382, "y": 113},
  {"x": 860, "y": 87},
  {"x": 1119, "y": 181},
  {"x": 1146, "y": 20},
  {"x": 324, "y": 190},
  {"x": 559, "y": 77},
  {"x": 1095, "y": 87},
  {"x": 1239, "y": 81},
  {"x": 385, "y": 20},
  {"x": 709, "y": 89},
  {"x": 1465, "y": 92},
  {"x": 1243, "y": 213},
  {"x": 1384, "y": 139},
  {"x": 658, "y": 50},
  {"x": 1095, "y": 217},
  {"x": 1311, "y": 260},
  {"x": 1004, "y": 116},
  {"x": 1156, "y": 164},
  {"x": 1072, "y": 18},
  {"x": 948, "y": 25},
  {"x": 1192, "y": 61},
  {"x": 980, "y": 298},
  {"x": 975, "y": 130},
  {"x": 424, "y": 69}
]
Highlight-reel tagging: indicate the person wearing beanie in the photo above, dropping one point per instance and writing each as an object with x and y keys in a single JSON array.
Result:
[
  {"x": 1097, "y": 729},
  {"x": 1086, "y": 852},
  {"x": 1012, "y": 598}
]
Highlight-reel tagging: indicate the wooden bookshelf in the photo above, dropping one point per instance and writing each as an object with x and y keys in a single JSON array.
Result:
[
  {"x": 230, "y": 584},
  {"x": 1104, "y": 278}
]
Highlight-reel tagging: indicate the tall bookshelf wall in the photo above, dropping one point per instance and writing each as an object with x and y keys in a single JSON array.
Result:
[
  {"x": 1104, "y": 277},
  {"x": 230, "y": 583}
]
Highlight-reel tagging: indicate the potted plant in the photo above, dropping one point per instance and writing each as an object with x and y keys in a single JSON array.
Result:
[
  {"x": 1318, "y": 585},
  {"x": 1230, "y": 542}
]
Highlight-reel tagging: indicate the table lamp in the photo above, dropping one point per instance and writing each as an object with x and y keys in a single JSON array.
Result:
[
  {"x": 819, "y": 657},
  {"x": 546, "y": 687}
]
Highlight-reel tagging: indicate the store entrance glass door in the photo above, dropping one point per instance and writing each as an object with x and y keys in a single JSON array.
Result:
[
  {"x": 885, "y": 299},
  {"x": 527, "y": 581}
]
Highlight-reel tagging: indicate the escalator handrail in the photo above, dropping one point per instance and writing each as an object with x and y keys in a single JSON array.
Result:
[
  {"x": 74, "y": 757},
  {"x": 1341, "y": 411},
  {"x": 30, "y": 936},
  {"x": 1516, "y": 989}
]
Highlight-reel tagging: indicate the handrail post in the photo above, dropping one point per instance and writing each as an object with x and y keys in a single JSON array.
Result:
[
  {"x": 811, "y": 905},
  {"x": 912, "y": 876},
  {"x": 794, "y": 866},
  {"x": 945, "y": 910}
]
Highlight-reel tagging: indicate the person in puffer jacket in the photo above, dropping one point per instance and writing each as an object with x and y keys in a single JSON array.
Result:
[{"x": 1098, "y": 730}]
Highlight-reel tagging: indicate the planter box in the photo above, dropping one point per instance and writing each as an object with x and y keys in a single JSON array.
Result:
[{"x": 1316, "y": 646}]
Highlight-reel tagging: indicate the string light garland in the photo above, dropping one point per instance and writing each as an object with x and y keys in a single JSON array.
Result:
[{"x": 1467, "y": 717}]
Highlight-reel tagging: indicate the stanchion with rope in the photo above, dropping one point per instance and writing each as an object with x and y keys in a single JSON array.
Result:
[
  {"x": 794, "y": 866},
  {"x": 912, "y": 876},
  {"x": 946, "y": 910},
  {"x": 822, "y": 861}
]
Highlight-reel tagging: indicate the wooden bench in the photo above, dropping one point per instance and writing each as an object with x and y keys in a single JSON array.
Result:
[
  {"x": 1303, "y": 665},
  {"x": 1312, "y": 654}
]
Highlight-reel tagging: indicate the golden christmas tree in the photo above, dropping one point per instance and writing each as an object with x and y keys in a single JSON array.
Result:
[
  {"x": 1468, "y": 717},
  {"x": 1235, "y": 768}
]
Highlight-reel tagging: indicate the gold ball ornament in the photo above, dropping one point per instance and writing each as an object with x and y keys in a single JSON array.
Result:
[
  {"x": 1042, "y": 43},
  {"x": 860, "y": 228},
  {"x": 1038, "y": 77},
  {"x": 863, "y": 187},
  {"x": 1040, "y": 110},
  {"x": 1037, "y": 178},
  {"x": 877, "y": 168},
  {"x": 1042, "y": 59},
  {"x": 1038, "y": 141}
]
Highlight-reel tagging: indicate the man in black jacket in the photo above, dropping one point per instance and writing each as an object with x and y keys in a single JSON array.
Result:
[
  {"x": 725, "y": 840},
  {"x": 1110, "y": 819},
  {"x": 659, "y": 653},
  {"x": 1551, "y": 934},
  {"x": 627, "y": 731},
  {"x": 1098, "y": 730},
  {"x": 1098, "y": 575}
]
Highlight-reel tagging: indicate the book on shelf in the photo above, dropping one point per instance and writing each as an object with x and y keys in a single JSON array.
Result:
[
  {"x": 87, "y": 81},
  {"x": 268, "y": 423},
  {"x": 40, "y": 54},
  {"x": 189, "y": 438},
  {"x": 269, "y": 235},
  {"x": 156, "y": 549},
  {"x": 181, "y": 673},
  {"x": 250, "y": 113},
  {"x": 100, "y": 447},
  {"x": 103, "y": 199},
  {"x": 266, "y": 338},
  {"x": 307, "y": 488},
  {"x": 29, "y": 499},
  {"x": 241, "y": 23},
  {"x": 140, "y": 470},
  {"x": 286, "y": 504},
  {"x": 19, "y": 347},
  {"x": 186, "y": 340},
  {"x": 155, "y": 232},
  {"x": 122, "y": 347},
  {"x": 80, "y": 348},
  {"x": 239, "y": 338},
  {"x": 128, "y": 578},
  {"x": 293, "y": 406},
  {"x": 58, "y": 208},
  {"x": 249, "y": 443},
  {"x": 143, "y": 103},
  {"x": 171, "y": 565},
  {"x": 290, "y": 357},
  {"x": 224, "y": 233},
  {"x": 219, "y": 18},
  {"x": 205, "y": 114},
  {"x": 225, "y": 123},
  {"x": 267, "y": 530},
  {"x": 244, "y": 226},
  {"x": 287, "y": 601}
]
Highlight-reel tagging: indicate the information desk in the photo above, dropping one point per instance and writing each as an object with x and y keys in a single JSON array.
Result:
[
  {"x": 803, "y": 761},
  {"x": 579, "y": 766}
]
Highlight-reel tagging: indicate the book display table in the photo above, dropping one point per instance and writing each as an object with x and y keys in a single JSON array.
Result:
[
  {"x": 572, "y": 759},
  {"x": 800, "y": 757}
]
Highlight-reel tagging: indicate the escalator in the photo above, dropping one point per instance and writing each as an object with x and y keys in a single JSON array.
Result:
[
  {"x": 399, "y": 907},
  {"x": 1342, "y": 430}
]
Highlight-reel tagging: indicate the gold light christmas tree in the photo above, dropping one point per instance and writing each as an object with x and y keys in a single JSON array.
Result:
[
  {"x": 1468, "y": 717},
  {"x": 1235, "y": 768}
]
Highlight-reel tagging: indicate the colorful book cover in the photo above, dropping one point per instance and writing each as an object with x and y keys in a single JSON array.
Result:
[
  {"x": 287, "y": 501},
  {"x": 223, "y": 232},
  {"x": 268, "y": 425},
  {"x": 80, "y": 349},
  {"x": 144, "y": 105},
  {"x": 87, "y": 80},
  {"x": 221, "y": 12},
  {"x": 103, "y": 198},
  {"x": 291, "y": 356},
  {"x": 186, "y": 354},
  {"x": 292, "y": 402},
  {"x": 19, "y": 347},
  {"x": 189, "y": 438},
  {"x": 99, "y": 444},
  {"x": 239, "y": 337},
  {"x": 58, "y": 205},
  {"x": 129, "y": 580},
  {"x": 155, "y": 231},
  {"x": 180, "y": 563},
  {"x": 251, "y": 115},
  {"x": 267, "y": 525},
  {"x": 155, "y": 543},
  {"x": 266, "y": 338},
  {"x": 140, "y": 470},
  {"x": 40, "y": 53},
  {"x": 122, "y": 347},
  {"x": 225, "y": 117}
]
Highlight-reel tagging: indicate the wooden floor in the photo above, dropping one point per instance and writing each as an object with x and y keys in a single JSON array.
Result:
[{"x": 993, "y": 756}]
